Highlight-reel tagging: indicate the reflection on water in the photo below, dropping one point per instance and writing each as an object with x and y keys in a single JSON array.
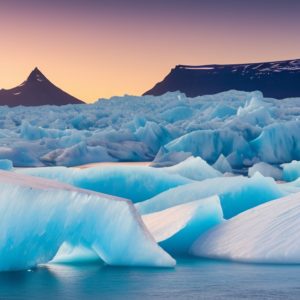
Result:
[{"x": 191, "y": 279}]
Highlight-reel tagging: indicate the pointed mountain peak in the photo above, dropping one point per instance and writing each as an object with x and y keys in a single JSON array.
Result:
[
  {"x": 36, "y": 75},
  {"x": 36, "y": 90}
]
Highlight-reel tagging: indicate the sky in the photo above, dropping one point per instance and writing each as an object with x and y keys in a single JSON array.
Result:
[{"x": 95, "y": 49}]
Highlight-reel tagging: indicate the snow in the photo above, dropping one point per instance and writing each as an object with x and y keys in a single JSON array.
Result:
[
  {"x": 38, "y": 216},
  {"x": 268, "y": 233},
  {"x": 243, "y": 127},
  {"x": 176, "y": 228}
]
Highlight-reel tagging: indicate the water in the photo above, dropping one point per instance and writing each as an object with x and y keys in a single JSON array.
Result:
[{"x": 191, "y": 279}]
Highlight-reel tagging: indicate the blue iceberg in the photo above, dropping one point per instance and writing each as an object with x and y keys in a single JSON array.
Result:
[{"x": 38, "y": 216}]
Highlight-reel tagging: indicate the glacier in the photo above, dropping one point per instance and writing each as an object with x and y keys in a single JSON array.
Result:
[
  {"x": 232, "y": 130},
  {"x": 268, "y": 233},
  {"x": 39, "y": 216}
]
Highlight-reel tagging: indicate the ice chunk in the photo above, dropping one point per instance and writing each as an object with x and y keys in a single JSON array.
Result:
[
  {"x": 6, "y": 164},
  {"x": 266, "y": 170},
  {"x": 176, "y": 228},
  {"x": 210, "y": 144},
  {"x": 29, "y": 132},
  {"x": 222, "y": 111},
  {"x": 194, "y": 168},
  {"x": 244, "y": 127},
  {"x": 39, "y": 215},
  {"x": 278, "y": 143},
  {"x": 268, "y": 233},
  {"x": 291, "y": 171},
  {"x": 237, "y": 194},
  {"x": 134, "y": 183},
  {"x": 20, "y": 156},
  {"x": 167, "y": 159},
  {"x": 175, "y": 114},
  {"x": 78, "y": 154},
  {"x": 256, "y": 112},
  {"x": 222, "y": 165}
]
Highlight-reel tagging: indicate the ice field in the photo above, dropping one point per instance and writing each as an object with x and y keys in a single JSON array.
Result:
[
  {"x": 224, "y": 182},
  {"x": 65, "y": 215},
  {"x": 233, "y": 130}
]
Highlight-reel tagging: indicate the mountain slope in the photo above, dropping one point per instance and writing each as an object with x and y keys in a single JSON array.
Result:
[
  {"x": 36, "y": 90},
  {"x": 279, "y": 79}
]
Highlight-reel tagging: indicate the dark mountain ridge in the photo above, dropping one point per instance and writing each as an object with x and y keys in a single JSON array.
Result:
[{"x": 280, "y": 79}]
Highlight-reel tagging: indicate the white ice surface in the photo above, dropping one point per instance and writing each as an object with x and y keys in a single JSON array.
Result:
[
  {"x": 176, "y": 228},
  {"x": 243, "y": 127},
  {"x": 38, "y": 216},
  {"x": 268, "y": 233}
]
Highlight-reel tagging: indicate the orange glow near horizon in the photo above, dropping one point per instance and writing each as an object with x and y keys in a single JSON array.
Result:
[{"x": 99, "y": 54}]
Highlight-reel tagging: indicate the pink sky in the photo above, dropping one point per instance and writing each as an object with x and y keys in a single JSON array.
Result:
[{"x": 96, "y": 49}]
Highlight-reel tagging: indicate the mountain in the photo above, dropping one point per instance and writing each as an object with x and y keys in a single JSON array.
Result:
[
  {"x": 279, "y": 79},
  {"x": 36, "y": 90}
]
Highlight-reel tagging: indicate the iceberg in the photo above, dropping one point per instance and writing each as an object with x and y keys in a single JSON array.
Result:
[
  {"x": 278, "y": 143},
  {"x": 177, "y": 228},
  {"x": 236, "y": 194},
  {"x": 78, "y": 154},
  {"x": 194, "y": 168},
  {"x": 39, "y": 216},
  {"x": 75, "y": 254},
  {"x": 266, "y": 170},
  {"x": 291, "y": 171},
  {"x": 134, "y": 183},
  {"x": 167, "y": 159},
  {"x": 210, "y": 144},
  {"x": 268, "y": 233},
  {"x": 6, "y": 164},
  {"x": 222, "y": 165},
  {"x": 244, "y": 127}
]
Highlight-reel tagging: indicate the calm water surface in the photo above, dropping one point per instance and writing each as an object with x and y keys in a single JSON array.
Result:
[{"x": 191, "y": 279}]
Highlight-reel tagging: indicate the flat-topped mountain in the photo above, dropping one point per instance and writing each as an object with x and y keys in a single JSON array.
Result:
[
  {"x": 36, "y": 90},
  {"x": 279, "y": 79}
]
